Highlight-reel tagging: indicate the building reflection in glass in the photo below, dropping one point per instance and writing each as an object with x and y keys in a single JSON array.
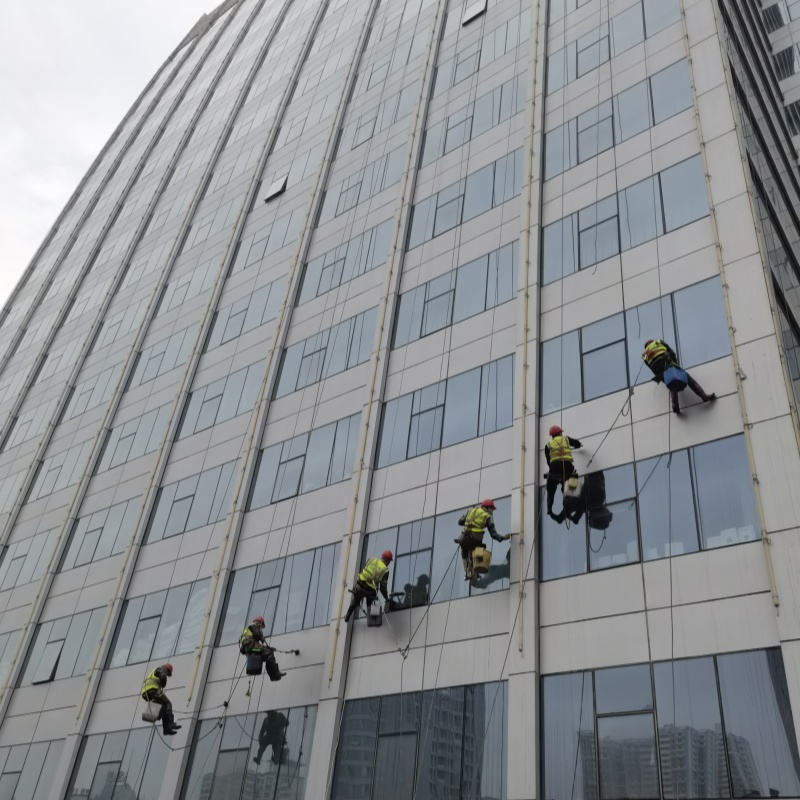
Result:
[
  {"x": 261, "y": 756},
  {"x": 725, "y": 731},
  {"x": 443, "y": 745}
]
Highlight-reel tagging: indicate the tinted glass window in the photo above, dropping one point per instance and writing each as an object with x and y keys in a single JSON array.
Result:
[
  {"x": 727, "y": 508},
  {"x": 568, "y": 727},
  {"x": 604, "y": 522},
  {"x": 561, "y": 372},
  {"x": 461, "y": 419},
  {"x": 627, "y": 29},
  {"x": 683, "y": 189},
  {"x": 690, "y": 713},
  {"x": 438, "y": 416},
  {"x": 702, "y": 323},
  {"x": 626, "y": 751},
  {"x": 592, "y": 362},
  {"x": 668, "y": 521},
  {"x": 640, "y": 214},
  {"x": 672, "y": 90},
  {"x": 618, "y": 542},
  {"x": 279, "y": 740},
  {"x": 632, "y": 111},
  {"x": 623, "y": 689},
  {"x": 753, "y": 717},
  {"x": 383, "y": 736},
  {"x": 625, "y": 220},
  {"x": 658, "y": 14},
  {"x": 714, "y": 716}
]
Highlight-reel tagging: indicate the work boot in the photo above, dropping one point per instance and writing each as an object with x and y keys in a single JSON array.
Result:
[
  {"x": 256, "y": 759},
  {"x": 710, "y": 398}
]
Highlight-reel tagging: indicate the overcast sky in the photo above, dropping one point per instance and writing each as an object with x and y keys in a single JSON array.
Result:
[{"x": 69, "y": 71}]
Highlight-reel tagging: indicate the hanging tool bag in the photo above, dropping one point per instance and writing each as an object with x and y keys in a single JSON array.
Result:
[
  {"x": 481, "y": 558},
  {"x": 151, "y": 713},
  {"x": 675, "y": 379},
  {"x": 374, "y": 615},
  {"x": 254, "y": 663}
]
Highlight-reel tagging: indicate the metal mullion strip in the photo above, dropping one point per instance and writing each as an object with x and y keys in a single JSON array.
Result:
[
  {"x": 113, "y": 288},
  {"x": 6, "y": 309},
  {"x": 115, "y": 604},
  {"x": 73, "y": 237},
  {"x": 247, "y": 473},
  {"x": 46, "y": 581},
  {"x": 183, "y": 393},
  {"x": 370, "y": 423},
  {"x": 259, "y": 416}
]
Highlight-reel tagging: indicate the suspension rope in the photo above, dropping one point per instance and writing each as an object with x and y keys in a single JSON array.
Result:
[
  {"x": 622, "y": 413},
  {"x": 430, "y": 603}
]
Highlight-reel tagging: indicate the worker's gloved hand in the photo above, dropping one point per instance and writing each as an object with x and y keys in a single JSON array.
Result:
[{"x": 506, "y": 537}]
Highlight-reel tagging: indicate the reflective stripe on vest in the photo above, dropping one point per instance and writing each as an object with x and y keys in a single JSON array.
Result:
[
  {"x": 654, "y": 350},
  {"x": 477, "y": 519},
  {"x": 151, "y": 682},
  {"x": 560, "y": 449},
  {"x": 373, "y": 573}
]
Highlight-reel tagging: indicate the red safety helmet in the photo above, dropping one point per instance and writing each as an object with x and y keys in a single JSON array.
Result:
[
  {"x": 386, "y": 556},
  {"x": 488, "y": 504},
  {"x": 168, "y": 668},
  {"x": 555, "y": 430},
  {"x": 648, "y": 342},
  {"x": 259, "y": 620}
]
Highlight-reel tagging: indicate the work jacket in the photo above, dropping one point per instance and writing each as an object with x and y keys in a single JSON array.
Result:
[
  {"x": 375, "y": 573},
  {"x": 559, "y": 449},
  {"x": 658, "y": 355},
  {"x": 249, "y": 635},
  {"x": 156, "y": 680},
  {"x": 550, "y": 451},
  {"x": 476, "y": 521}
]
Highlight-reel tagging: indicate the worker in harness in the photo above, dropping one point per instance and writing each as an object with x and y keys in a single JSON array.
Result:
[
  {"x": 153, "y": 692},
  {"x": 372, "y": 579},
  {"x": 659, "y": 357},
  {"x": 273, "y": 734},
  {"x": 558, "y": 454},
  {"x": 474, "y": 523},
  {"x": 252, "y": 640}
]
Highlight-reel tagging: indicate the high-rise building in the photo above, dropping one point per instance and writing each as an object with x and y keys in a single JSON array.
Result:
[{"x": 330, "y": 283}]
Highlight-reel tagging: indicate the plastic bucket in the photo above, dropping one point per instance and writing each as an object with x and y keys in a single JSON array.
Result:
[
  {"x": 254, "y": 663},
  {"x": 374, "y": 615},
  {"x": 675, "y": 379},
  {"x": 151, "y": 713},
  {"x": 481, "y": 558}
]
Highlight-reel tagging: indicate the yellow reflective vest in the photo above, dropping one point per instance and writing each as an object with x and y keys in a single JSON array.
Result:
[
  {"x": 560, "y": 449},
  {"x": 152, "y": 681},
  {"x": 476, "y": 520},
  {"x": 373, "y": 573},
  {"x": 654, "y": 350}
]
